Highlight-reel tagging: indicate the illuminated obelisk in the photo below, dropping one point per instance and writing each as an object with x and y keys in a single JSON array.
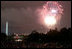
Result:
[{"x": 7, "y": 28}]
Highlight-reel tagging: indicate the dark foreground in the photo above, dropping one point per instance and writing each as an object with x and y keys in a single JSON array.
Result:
[
  {"x": 36, "y": 45},
  {"x": 53, "y": 39}
]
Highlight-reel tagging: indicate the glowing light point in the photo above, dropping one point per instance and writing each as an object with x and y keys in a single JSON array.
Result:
[
  {"x": 54, "y": 11},
  {"x": 50, "y": 21}
]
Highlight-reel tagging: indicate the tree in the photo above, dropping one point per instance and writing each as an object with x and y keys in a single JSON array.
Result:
[
  {"x": 3, "y": 36},
  {"x": 33, "y": 37}
]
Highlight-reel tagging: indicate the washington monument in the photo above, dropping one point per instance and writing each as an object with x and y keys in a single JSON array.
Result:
[{"x": 7, "y": 28}]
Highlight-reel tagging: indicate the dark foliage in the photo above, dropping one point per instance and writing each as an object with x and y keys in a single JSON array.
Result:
[{"x": 62, "y": 37}]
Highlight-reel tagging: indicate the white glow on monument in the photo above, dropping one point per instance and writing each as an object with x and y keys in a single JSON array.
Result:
[{"x": 6, "y": 28}]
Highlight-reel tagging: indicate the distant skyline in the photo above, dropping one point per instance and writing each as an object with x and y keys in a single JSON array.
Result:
[{"x": 22, "y": 16}]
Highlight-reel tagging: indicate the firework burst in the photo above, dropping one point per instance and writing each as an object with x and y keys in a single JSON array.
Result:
[{"x": 50, "y": 14}]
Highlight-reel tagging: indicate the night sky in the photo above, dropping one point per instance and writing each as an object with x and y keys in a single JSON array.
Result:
[{"x": 22, "y": 16}]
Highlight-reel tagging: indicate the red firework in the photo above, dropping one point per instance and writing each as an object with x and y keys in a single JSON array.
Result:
[{"x": 51, "y": 9}]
